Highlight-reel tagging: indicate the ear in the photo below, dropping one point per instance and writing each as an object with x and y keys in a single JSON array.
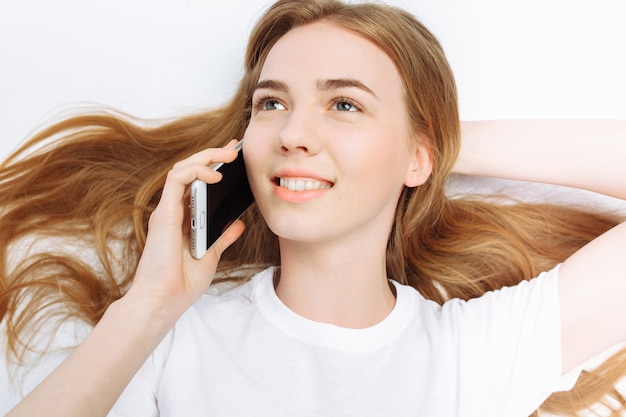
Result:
[{"x": 421, "y": 164}]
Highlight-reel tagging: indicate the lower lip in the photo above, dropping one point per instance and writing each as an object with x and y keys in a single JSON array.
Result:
[{"x": 305, "y": 196}]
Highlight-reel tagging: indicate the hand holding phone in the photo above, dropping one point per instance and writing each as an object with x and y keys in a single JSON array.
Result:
[{"x": 214, "y": 207}]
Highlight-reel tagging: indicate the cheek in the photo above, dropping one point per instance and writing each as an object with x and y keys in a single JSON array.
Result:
[
  {"x": 257, "y": 154},
  {"x": 386, "y": 166},
  {"x": 378, "y": 150},
  {"x": 254, "y": 145},
  {"x": 253, "y": 167},
  {"x": 253, "y": 155},
  {"x": 258, "y": 135}
]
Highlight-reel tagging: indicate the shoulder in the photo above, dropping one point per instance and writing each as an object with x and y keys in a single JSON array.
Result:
[
  {"x": 506, "y": 341},
  {"x": 529, "y": 310},
  {"x": 245, "y": 291},
  {"x": 220, "y": 316},
  {"x": 540, "y": 293},
  {"x": 226, "y": 303}
]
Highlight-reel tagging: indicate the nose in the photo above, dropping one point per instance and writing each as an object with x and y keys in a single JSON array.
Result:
[{"x": 300, "y": 133}]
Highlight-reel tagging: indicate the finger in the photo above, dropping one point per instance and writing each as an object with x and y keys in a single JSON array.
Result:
[
  {"x": 203, "y": 269},
  {"x": 172, "y": 207},
  {"x": 211, "y": 155},
  {"x": 230, "y": 235},
  {"x": 190, "y": 169}
]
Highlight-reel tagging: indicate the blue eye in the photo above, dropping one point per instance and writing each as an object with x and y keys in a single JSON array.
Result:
[
  {"x": 343, "y": 104},
  {"x": 267, "y": 103},
  {"x": 272, "y": 105}
]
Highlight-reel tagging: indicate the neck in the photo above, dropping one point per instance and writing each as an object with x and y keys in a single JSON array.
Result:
[{"x": 345, "y": 287}]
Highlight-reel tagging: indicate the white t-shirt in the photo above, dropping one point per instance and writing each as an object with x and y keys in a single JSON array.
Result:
[{"x": 244, "y": 353}]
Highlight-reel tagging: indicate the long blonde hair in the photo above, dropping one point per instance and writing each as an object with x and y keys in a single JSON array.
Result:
[{"x": 97, "y": 177}]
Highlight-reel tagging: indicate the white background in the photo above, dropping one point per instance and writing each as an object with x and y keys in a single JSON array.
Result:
[{"x": 161, "y": 58}]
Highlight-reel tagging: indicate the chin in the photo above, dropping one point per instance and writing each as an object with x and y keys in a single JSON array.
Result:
[{"x": 300, "y": 231}]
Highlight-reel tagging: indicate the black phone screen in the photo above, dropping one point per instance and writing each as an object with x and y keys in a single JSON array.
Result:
[{"x": 227, "y": 199}]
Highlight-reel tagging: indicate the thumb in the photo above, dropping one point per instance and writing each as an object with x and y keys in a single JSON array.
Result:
[
  {"x": 230, "y": 235},
  {"x": 201, "y": 271}
]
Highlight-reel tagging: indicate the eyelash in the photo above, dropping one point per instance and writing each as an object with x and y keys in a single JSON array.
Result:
[
  {"x": 263, "y": 99},
  {"x": 351, "y": 102}
]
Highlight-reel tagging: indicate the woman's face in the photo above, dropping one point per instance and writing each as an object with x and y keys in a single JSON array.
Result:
[{"x": 328, "y": 148}]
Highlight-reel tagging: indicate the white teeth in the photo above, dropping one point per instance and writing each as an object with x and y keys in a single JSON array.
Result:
[{"x": 302, "y": 185}]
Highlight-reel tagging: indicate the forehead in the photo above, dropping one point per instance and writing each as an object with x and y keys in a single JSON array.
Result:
[{"x": 324, "y": 51}]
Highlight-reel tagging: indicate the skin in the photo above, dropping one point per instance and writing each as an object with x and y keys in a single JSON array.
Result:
[{"x": 337, "y": 118}]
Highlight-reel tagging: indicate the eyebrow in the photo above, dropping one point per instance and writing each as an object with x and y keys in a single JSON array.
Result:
[
  {"x": 337, "y": 83},
  {"x": 324, "y": 85},
  {"x": 272, "y": 85}
]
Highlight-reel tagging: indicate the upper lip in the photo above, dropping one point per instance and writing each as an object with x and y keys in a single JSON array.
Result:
[{"x": 299, "y": 173}]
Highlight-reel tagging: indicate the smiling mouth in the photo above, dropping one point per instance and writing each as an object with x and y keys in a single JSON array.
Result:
[{"x": 300, "y": 184}]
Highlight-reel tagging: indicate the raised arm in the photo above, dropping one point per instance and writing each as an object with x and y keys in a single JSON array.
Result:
[
  {"x": 167, "y": 282},
  {"x": 584, "y": 154}
]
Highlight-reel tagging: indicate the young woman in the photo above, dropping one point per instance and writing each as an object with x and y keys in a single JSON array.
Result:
[{"x": 344, "y": 294}]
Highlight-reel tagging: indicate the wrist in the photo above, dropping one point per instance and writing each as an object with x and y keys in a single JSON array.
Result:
[{"x": 148, "y": 318}]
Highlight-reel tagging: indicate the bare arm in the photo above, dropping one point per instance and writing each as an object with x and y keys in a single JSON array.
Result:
[
  {"x": 587, "y": 154},
  {"x": 167, "y": 282},
  {"x": 90, "y": 380},
  {"x": 579, "y": 153}
]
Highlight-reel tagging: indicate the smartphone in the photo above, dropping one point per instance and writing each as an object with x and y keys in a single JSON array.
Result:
[{"x": 214, "y": 207}]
